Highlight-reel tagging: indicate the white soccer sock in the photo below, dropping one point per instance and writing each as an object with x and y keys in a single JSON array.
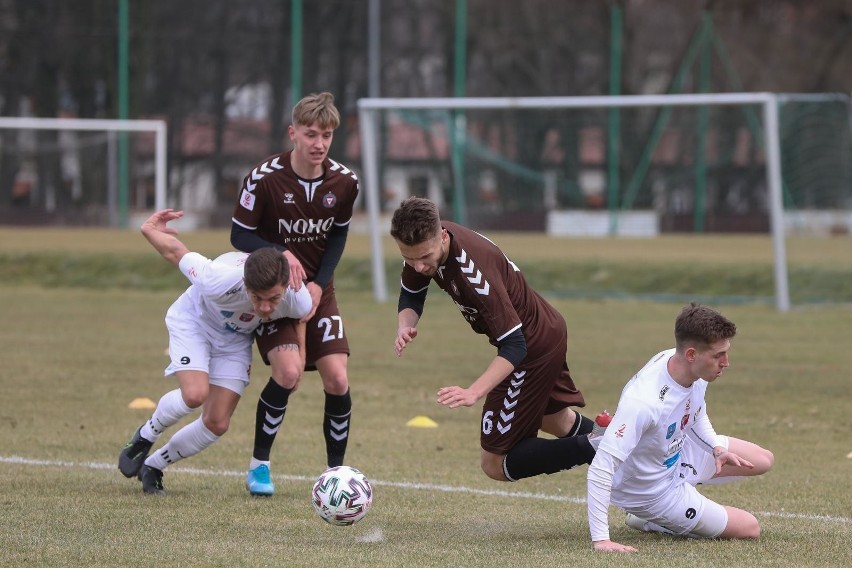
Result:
[
  {"x": 186, "y": 442},
  {"x": 170, "y": 409},
  {"x": 254, "y": 463}
]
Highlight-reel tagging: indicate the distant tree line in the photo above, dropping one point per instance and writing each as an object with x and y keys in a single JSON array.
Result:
[{"x": 212, "y": 60}]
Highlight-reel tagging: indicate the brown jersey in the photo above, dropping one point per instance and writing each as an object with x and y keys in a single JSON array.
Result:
[
  {"x": 491, "y": 293},
  {"x": 287, "y": 210}
]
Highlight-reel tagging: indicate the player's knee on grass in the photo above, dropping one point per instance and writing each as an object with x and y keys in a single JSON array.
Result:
[{"x": 741, "y": 524}]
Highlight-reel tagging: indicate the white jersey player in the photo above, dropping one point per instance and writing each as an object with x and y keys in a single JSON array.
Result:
[
  {"x": 660, "y": 444},
  {"x": 218, "y": 304},
  {"x": 211, "y": 327}
]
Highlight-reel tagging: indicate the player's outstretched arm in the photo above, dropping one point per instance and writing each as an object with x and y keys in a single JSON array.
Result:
[
  {"x": 162, "y": 237},
  {"x": 406, "y": 329}
]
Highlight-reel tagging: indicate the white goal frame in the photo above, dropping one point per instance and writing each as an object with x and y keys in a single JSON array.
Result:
[
  {"x": 158, "y": 127},
  {"x": 368, "y": 109}
]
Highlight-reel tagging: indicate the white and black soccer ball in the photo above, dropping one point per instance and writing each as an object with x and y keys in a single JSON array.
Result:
[{"x": 342, "y": 495}]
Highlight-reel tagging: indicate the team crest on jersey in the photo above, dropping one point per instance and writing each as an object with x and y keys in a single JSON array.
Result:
[
  {"x": 329, "y": 200},
  {"x": 246, "y": 317},
  {"x": 226, "y": 313},
  {"x": 247, "y": 200},
  {"x": 684, "y": 421}
]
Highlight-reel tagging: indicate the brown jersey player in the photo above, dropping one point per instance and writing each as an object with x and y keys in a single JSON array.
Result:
[
  {"x": 527, "y": 386},
  {"x": 301, "y": 203}
]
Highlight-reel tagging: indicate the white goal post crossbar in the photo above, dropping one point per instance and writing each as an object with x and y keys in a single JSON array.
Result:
[
  {"x": 369, "y": 107},
  {"x": 158, "y": 127}
]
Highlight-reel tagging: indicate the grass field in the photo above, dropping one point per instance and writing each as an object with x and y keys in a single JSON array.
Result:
[{"x": 74, "y": 356}]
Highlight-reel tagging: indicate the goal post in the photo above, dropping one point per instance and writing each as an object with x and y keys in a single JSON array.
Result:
[
  {"x": 766, "y": 135},
  {"x": 113, "y": 126}
]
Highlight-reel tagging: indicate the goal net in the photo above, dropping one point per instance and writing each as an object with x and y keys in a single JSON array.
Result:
[
  {"x": 70, "y": 171},
  {"x": 633, "y": 166}
]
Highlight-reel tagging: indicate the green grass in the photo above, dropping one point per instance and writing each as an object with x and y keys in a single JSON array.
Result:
[
  {"x": 73, "y": 358},
  {"x": 718, "y": 269}
]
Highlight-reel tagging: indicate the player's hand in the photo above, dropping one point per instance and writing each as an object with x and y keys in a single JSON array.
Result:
[
  {"x": 724, "y": 457},
  {"x": 315, "y": 291},
  {"x": 453, "y": 397},
  {"x": 297, "y": 272},
  {"x": 404, "y": 336},
  {"x": 609, "y": 546},
  {"x": 158, "y": 221}
]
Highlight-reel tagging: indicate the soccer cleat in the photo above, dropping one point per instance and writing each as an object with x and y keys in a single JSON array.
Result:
[
  {"x": 133, "y": 455},
  {"x": 152, "y": 480},
  {"x": 258, "y": 481},
  {"x": 602, "y": 420}
]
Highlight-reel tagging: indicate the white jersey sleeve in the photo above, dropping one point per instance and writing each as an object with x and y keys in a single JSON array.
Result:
[
  {"x": 599, "y": 490},
  {"x": 212, "y": 279},
  {"x": 295, "y": 304},
  {"x": 702, "y": 431}
]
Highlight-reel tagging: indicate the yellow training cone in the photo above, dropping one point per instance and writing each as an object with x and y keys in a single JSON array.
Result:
[
  {"x": 422, "y": 422},
  {"x": 143, "y": 403}
]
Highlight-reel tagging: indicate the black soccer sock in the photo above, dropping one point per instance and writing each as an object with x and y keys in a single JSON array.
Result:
[
  {"x": 534, "y": 456},
  {"x": 271, "y": 407},
  {"x": 582, "y": 425},
  {"x": 335, "y": 426}
]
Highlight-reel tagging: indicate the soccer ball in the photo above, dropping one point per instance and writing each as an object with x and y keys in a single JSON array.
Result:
[{"x": 342, "y": 495}]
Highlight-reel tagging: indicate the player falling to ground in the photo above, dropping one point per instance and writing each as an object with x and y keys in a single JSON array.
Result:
[
  {"x": 301, "y": 203},
  {"x": 660, "y": 443},
  {"x": 527, "y": 386},
  {"x": 211, "y": 326}
]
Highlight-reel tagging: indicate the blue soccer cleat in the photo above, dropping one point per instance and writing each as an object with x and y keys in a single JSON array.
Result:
[{"x": 258, "y": 481}]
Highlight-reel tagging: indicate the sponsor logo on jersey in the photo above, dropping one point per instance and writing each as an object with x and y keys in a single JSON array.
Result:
[
  {"x": 672, "y": 460},
  {"x": 226, "y": 313},
  {"x": 468, "y": 313},
  {"x": 247, "y": 200},
  {"x": 675, "y": 446},
  {"x": 670, "y": 432},
  {"x": 663, "y": 392},
  {"x": 305, "y": 226},
  {"x": 329, "y": 200},
  {"x": 620, "y": 432},
  {"x": 288, "y": 198},
  {"x": 246, "y": 317},
  {"x": 233, "y": 291},
  {"x": 684, "y": 421},
  {"x": 193, "y": 273},
  {"x": 455, "y": 288}
]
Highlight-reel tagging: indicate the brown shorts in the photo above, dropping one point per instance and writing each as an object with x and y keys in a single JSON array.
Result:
[
  {"x": 513, "y": 410},
  {"x": 324, "y": 334}
]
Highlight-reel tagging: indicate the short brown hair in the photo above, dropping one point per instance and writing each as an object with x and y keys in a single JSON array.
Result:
[
  {"x": 264, "y": 269},
  {"x": 697, "y": 324},
  {"x": 317, "y": 108},
  {"x": 415, "y": 221}
]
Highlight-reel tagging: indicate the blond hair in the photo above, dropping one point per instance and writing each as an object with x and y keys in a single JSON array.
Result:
[{"x": 317, "y": 108}]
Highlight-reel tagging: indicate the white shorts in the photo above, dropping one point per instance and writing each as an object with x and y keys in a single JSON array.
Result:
[
  {"x": 227, "y": 363},
  {"x": 684, "y": 511}
]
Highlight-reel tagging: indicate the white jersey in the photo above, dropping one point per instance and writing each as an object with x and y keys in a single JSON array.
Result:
[
  {"x": 219, "y": 302},
  {"x": 648, "y": 431}
]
